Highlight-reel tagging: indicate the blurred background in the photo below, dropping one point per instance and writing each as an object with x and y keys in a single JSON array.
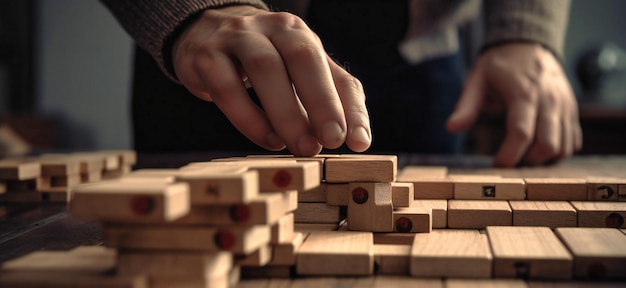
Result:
[{"x": 65, "y": 75}]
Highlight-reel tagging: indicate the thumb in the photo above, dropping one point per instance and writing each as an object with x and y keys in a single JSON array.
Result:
[{"x": 468, "y": 107}]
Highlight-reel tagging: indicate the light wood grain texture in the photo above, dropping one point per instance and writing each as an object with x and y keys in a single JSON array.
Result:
[
  {"x": 291, "y": 199},
  {"x": 412, "y": 220},
  {"x": 600, "y": 214},
  {"x": 336, "y": 253},
  {"x": 402, "y": 194},
  {"x": 19, "y": 170},
  {"x": 283, "y": 230},
  {"x": 173, "y": 264},
  {"x": 488, "y": 188},
  {"x": 392, "y": 259},
  {"x": 314, "y": 227},
  {"x": 94, "y": 260},
  {"x": 368, "y": 168},
  {"x": 260, "y": 257},
  {"x": 554, "y": 189},
  {"x": 484, "y": 283},
  {"x": 433, "y": 188},
  {"x": 370, "y": 207},
  {"x": 221, "y": 187},
  {"x": 64, "y": 280},
  {"x": 599, "y": 253},
  {"x": 149, "y": 202},
  {"x": 318, "y": 213},
  {"x": 529, "y": 253},
  {"x": 451, "y": 253},
  {"x": 236, "y": 239},
  {"x": 604, "y": 188},
  {"x": 285, "y": 252},
  {"x": 411, "y": 173},
  {"x": 394, "y": 238},
  {"x": 318, "y": 158},
  {"x": 543, "y": 213},
  {"x": 58, "y": 166},
  {"x": 338, "y": 194},
  {"x": 439, "y": 211},
  {"x": 478, "y": 214},
  {"x": 315, "y": 195}
]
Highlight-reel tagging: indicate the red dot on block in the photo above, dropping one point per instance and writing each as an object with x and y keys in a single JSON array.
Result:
[
  {"x": 282, "y": 178},
  {"x": 404, "y": 224},
  {"x": 359, "y": 195},
  {"x": 142, "y": 205},
  {"x": 614, "y": 220},
  {"x": 240, "y": 213},
  {"x": 224, "y": 239}
]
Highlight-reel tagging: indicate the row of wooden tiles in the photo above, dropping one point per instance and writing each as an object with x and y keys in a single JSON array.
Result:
[{"x": 478, "y": 214}]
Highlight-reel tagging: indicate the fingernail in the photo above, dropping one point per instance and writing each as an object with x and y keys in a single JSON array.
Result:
[
  {"x": 308, "y": 145},
  {"x": 360, "y": 135},
  {"x": 274, "y": 142},
  {"x": 332, "y": 135}
]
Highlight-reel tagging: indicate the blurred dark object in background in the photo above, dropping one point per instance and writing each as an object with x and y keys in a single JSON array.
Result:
[{"x": 602, "y": 75}]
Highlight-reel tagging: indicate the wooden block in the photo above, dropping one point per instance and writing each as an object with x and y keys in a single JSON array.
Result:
[
  {"x": 366, "y": 168},
  {"x": 318, "y": 158},
  {"x": 282, "y": 231},
  {"x": 554, "y": 189},
  {"x": 451, "y": 253},
  {"x": 221, "y": 187},
  {"x": 280, "y": 175},
  {"x": 392, "y": 259},
  {"x": 19, "y": 170},
  {"x": 529, "y": 253},
  {"x": 600, "y": 214},
  {"x": 484, "y": 283},
  {"x": 411, "y": 173},
  {"x": 237, "y": 239},
  {"x": 291, "y": 198},
  {"x": 621, "y": 190},
  {"x": 543, "y": 213},
  {"x": 604, "y": 188},
  {"x": 117, "y": 173},
  {"x": 319, "y": 213},
  {"x": 490, "y": 188},
  {"x": 125, "y": 157},
  {"x": 394, "y": 238},
  {"x": 22, "y": 185},
  {"x": 173, "y": 264},
  {"x": 65, "y": 280},
  {"x": 90, "y": 177},
  {"x": 412, "y": 220},
  {"x": 266, "y": 272},
  {"x": 314, "y": 227},
  {"x": 599, "y": 253},
  {"x": 439, "y": 211},
  {"x": 59, "y": 181},
  {"x": 315, "y": 195},
  {"x": 285, "y": 252},
  {"x": 51, "y": 166},
  {"x": 337, "y": 194},
  {"x": 88, "y": 162},
  {"x": 149, "y": 202},
  {"x": 433, "y": 188},
  {"x": 97, "y": 261},
  {"x": 478, "y": 214},
  {"x": 370, "y": 207},
  {"x": 402, "y": 194},
  {"x": 336, "y": 253},
  {"x": 260, "y": 257},
  {"x": 266, "y": 209}
]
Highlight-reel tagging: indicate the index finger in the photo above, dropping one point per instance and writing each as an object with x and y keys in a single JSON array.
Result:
[{"x": 520, "y": 129}]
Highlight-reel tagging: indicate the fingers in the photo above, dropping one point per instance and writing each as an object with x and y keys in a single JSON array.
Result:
[
  {"x": 551, "y": 134},
  {"x": 468, "y": 107},
  {"x": 520, "y": 129}
]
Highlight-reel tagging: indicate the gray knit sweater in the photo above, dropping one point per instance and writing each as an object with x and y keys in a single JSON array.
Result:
[{"x": 153, "y": 22}]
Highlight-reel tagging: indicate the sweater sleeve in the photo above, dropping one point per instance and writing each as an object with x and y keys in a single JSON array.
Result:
[
  {"x": 540, "y": 21},
  {"x": 154, "y": 23}
]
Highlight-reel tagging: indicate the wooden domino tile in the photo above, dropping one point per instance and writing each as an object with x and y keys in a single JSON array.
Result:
[
  {"x": 439, "y": 211},
  {"x": 392, "y": 259},
  {"x": 478, "y": 214},
  {"x": 605, "y": 189},
  {"x": 451, "y": 253},
  {"x": 149, "y": 202},
  {"x": 556, "y": 189},
  {"x": 315, "y": 195},
  {"x": 370, "y": 207},
  {"x": 236, "y": 239},
  {"x": 364, "y": 168},
  {"x": 319, "y": 213},
  {"x": 285, "y": 252},
  {"x": 337, "y": 194},
  {"x": 600, "y": 214},
  {"x": 529, "y": 253},
  {"x": 599, "y": 253},
  {"x": 544, "y": 213},
  {"x": 490, "y": 188},
  {"x": 412, "y": 220},
  {"x": 221, "y": 187},
  {"x": 402, "y": 194},
  {"x": 336, "y": 254},
  {"x": 18, "y": 170}
]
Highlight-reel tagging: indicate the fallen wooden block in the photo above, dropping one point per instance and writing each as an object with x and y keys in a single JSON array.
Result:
[
  {"x": 336, "y": 254},
  {"x": 412, "y": 220}
]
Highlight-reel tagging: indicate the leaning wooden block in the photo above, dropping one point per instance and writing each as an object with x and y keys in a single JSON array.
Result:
[
  {"x": 599, "y": 253},
  {"x": 478, "y": 214},
  {"x": 319, "y": 213},
  {"x": 336, "y": 253},
  {"x": 236, "y": 239},
  {"x": 337, "y": 194},
  {"x": 555, "y": 189},
  {"x": 365, "y": 168},
  {"x": 439, "y": 211},
  {"x": 412, "y": 220},
  {"x": 402, "y": 194},
  {"x": 529, "y": 253},
  {"x": 604, "y": 188},
  {"x": 543, "y": 213},
  {"x": 285, "y": 252},
  {"x": 451, "y": 253},
  {"x": 600, "y": 214},
  {"x": 117, "y": 201},
  {"x": 19, "y": 170},
  {"x": 370, "y": 207},
  {"x": 392, "y": 259},
  {"x": 490, "y": 188},
  {"x": 221, "y": 187},
  {"x": 173, "y": 264}
]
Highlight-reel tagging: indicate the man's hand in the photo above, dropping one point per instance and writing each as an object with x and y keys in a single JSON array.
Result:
[
  {"x": 542, "y": 113},
  {"x": 308, "y": 100}
]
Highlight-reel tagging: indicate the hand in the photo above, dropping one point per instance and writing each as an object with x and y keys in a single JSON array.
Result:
[
  {"x": 308, "y": 100},
  {"x": 542, "y": 113}
]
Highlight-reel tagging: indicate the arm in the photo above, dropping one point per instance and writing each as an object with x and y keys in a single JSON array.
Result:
[{"x": 519, "y": 68}]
